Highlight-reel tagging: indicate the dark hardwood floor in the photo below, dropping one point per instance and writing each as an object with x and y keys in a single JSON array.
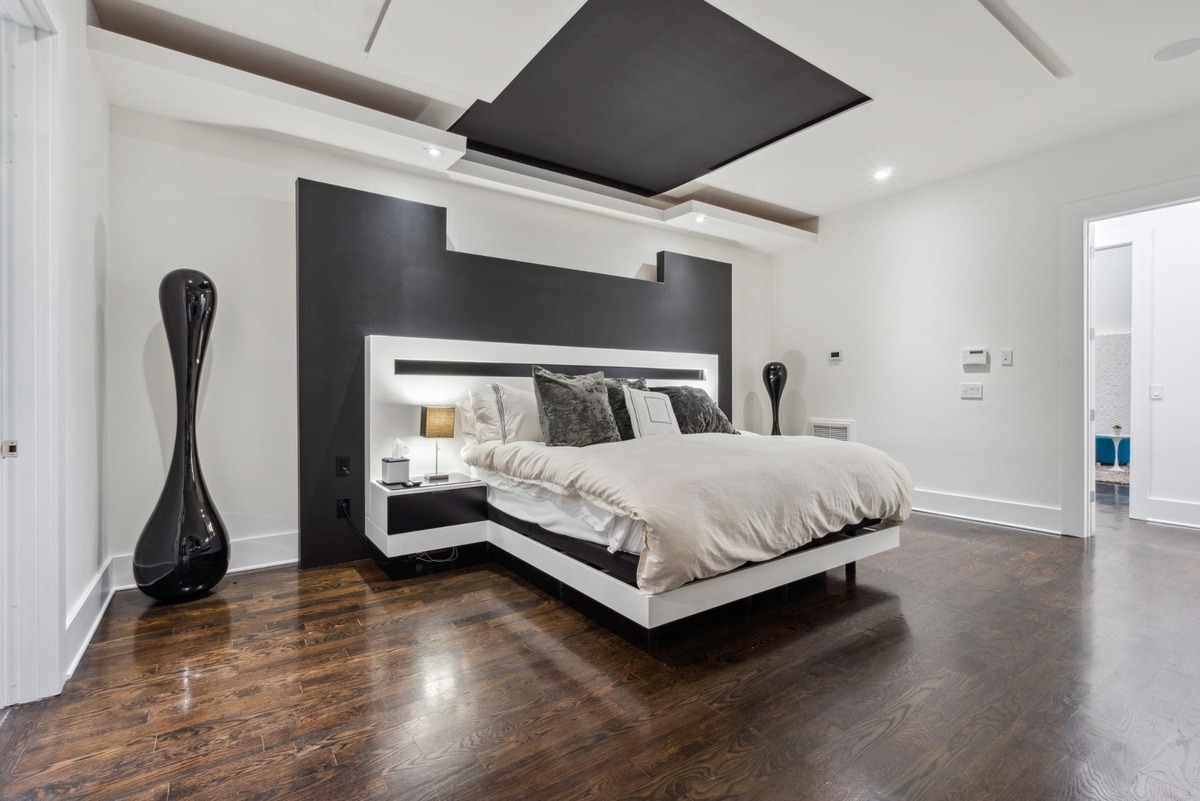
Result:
[{"x": 975, "y": 662}]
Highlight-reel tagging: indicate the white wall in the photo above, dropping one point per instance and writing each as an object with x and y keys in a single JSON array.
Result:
[
  {"x": 80, "y": 211},
  {"x": 903, "y": 283},
  {"x": 1166, "y": 432},
  {"x": 222, "y": 202}
]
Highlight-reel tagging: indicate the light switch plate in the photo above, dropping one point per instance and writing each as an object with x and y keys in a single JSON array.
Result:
[
  {"x": 1156, "y": 392},
  {"x": 971, "y": 391},
  {"x": 1006, "y": 357}
]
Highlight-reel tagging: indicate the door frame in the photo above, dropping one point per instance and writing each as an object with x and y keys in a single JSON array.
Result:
[
  {"x": 31, "y": 525},
  {"x": 1076, "y": 441}
]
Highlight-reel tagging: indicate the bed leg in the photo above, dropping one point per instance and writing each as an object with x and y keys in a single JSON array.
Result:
[
  {"x": 653, "y": 637},
  {"x": 851, "y": 570}
]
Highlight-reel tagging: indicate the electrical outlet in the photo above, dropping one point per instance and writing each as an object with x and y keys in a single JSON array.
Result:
[
  {"x": 1006, "y": 357},
  {"x": 341, "y": 466},
  {"x": 343, "y": 507},
  {"x": 971, "y": 391}
]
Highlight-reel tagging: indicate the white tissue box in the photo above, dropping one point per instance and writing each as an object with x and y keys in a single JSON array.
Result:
[{"x": 395, "y": 471}]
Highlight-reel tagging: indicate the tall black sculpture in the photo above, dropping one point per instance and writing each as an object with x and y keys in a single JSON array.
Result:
[
  {"x": 775, "y": 376},
  {"x": 183, "y": 550}
]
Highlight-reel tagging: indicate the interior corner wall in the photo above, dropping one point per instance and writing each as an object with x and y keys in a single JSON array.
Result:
[
  {"x": 223, "y": 202},
  {"x": 80, "y": 257},
  {"x": 903, "y": 284}
]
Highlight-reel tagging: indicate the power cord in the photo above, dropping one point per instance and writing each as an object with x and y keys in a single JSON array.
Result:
[{"x": 424, "y": 556}]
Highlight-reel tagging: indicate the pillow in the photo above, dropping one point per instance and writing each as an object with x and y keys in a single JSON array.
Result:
[
  {"x": 696, "y": 412},
  {"x": 487, "y": 415},
  {"x": 505, "y": 413},
  {"x": 518, "y": 409},
  {"x": 650, "y": 413},
  {"x": 616, "y": 400},
  {"x": 573, "y": 409},
  {"x": 466, "y": 417}
]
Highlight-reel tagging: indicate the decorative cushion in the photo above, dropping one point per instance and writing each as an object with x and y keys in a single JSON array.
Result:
[
  {"x": 616, "y": 399},
  {"x": 650, "y": 413},
  {"x": 573, "y": 409},
  {"x": 696, "y": 411}
]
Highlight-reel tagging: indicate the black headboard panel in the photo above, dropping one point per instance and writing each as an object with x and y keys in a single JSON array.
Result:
[{"x": 372, "y": 264}]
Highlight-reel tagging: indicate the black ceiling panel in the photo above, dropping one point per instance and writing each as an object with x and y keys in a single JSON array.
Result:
[{"x": 647, "y": 95}]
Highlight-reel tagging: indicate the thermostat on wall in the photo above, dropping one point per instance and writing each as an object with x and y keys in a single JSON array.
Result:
[
  {"x": 835, "y": 355},
  {"x": 974, "y": 356}
]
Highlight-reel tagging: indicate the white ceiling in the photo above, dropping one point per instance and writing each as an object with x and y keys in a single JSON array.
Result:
[{"x": 952, "y": 89}]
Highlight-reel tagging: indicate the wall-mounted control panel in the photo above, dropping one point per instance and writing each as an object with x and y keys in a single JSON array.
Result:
[
  {"x": 835, "y": 355},
  {"x": 974, "y": 356},
  {"x": 971, "y": 391}
]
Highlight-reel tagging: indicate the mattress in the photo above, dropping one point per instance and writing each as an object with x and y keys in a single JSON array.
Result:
[{"x": 570, "y": 516}]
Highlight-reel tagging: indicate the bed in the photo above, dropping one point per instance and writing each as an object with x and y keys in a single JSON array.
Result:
[{"x": 654, "y": 528}]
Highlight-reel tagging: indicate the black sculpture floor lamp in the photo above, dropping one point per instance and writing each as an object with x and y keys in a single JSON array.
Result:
[
  {"x": 774, "y": 377},
  {"x": 183, "y": 550}
]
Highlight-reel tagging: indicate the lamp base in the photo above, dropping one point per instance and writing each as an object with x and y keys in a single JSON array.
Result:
[{"x": 437, "y": 476}]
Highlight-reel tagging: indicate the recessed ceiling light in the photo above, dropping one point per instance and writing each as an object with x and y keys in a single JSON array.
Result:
[
  {"x": 701, "y": 218},
  {"x": 1176, "y": 50},
  {"x": 433, "y": 151},
  {"x": 882, "y": 174}
]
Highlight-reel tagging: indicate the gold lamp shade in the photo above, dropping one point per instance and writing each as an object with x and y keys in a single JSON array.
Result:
[{"x": 437, "y": 422}]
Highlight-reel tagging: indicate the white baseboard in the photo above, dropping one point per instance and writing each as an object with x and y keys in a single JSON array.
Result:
[
  {"x": 117, "y": 574},
  {"x": 84, "y": 619},
  {"x": 1045, "y": 519}
]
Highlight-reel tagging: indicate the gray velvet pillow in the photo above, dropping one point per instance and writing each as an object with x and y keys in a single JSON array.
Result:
[
  {"x": 573, "y": 409},
  {"x": 616, "y": 400},
  {"x": 696, "y": 412}
]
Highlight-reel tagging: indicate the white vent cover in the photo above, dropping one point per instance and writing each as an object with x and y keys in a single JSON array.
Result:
[{"x": 832, "y": 429}]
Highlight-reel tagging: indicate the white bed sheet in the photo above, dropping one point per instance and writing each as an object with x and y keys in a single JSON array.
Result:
[{"x": 570, "y": 516}]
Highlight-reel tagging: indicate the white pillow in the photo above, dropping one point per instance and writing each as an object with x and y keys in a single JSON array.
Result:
[
  {"x": 650, "y": 413},
  {"x": 487, "y": 415},
  {"x": 518, "y": 414},
  {"x": 506, "y": 413},
  {"x": 466, "y": 418}
]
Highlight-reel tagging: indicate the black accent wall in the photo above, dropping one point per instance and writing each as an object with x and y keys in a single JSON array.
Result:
[{"x": 372, "y": 264}]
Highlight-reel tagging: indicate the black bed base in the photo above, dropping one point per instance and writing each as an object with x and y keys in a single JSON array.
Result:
[{"x": 624, "y": 566}]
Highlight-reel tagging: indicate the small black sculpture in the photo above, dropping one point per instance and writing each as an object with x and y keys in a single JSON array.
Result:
[
  {"x": 183, "y": 550},
  {"x": 775, "y": 376}
]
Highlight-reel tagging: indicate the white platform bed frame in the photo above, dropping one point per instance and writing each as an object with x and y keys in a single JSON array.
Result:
[{"x": 393, "y": 406}]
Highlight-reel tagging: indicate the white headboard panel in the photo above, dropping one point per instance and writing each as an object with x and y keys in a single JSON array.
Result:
[{"x": 394, "y": 401}]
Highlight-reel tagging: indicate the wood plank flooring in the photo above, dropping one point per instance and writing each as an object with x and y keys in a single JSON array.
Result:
[{"x": 975, "y": 662}]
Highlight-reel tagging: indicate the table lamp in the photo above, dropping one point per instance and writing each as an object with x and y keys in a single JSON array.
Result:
[{"x": 437, "y": 422}]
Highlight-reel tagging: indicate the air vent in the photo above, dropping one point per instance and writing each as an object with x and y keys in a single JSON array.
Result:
[{"x": 832, "y": 429}]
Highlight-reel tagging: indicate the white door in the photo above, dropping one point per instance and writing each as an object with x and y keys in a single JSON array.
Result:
[{"x": 1164, "y": 386}]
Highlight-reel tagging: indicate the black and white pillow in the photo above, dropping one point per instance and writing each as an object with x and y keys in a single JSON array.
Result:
[
  {"x": 573, "y": 409},
  {"x": 650, "y": 413},
  {"x": 696, "y": 412},
  {"x": 616, "y": 399},
  {"x": 505, "y": 413}
]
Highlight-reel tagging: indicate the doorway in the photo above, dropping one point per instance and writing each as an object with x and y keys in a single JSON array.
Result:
[
  {"x": 1111, "y": 377},
  {"x": 1151, "y": 365}
]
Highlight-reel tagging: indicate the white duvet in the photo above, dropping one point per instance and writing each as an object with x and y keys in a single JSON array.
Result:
[{"x": 712, "y": 502}]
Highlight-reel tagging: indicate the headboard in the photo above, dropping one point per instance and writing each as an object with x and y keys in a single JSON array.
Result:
[
  {"x": 406, "y": 373},
  {"x": 368, "y": 264}
]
